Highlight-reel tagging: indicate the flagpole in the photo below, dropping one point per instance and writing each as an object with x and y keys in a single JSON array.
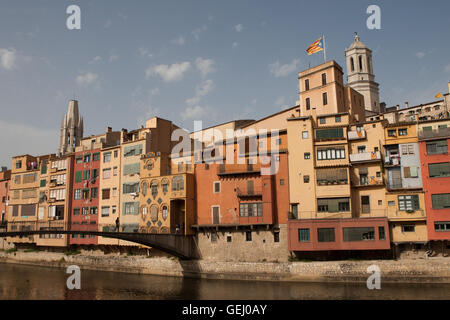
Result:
[{"x": 324, "y": 49}]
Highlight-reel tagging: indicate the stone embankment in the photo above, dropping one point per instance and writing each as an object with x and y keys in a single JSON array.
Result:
[{"x": 436, "y": 270}]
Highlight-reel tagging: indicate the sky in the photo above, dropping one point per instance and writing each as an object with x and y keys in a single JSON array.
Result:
[{"x": 208, "y": 60}]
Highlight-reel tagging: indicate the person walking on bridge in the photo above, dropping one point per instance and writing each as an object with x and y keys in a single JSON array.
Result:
[{"x": 117, "y": 224}]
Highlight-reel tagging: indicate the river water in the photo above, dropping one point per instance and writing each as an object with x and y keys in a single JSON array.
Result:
[{"x": 31, "y": 282}]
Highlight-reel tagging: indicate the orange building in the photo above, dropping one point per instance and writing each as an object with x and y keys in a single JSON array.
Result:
[{"x": 5, "y": 178}]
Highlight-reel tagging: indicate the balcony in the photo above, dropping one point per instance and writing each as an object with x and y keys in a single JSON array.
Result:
[
  {"x": 243, "y": 169},
  {"x": 370, "y": 182},
  {"x": 356, "y": 134},
  {"x": 436, "y": 133},
  {"x": 365, "y": 157},
  {"x": 392, "y": 161},
  {"x": 395, "y": 184},
  {"x": 249, "y": 193}
]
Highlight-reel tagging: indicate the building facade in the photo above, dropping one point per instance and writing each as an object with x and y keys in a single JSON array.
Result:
[{"x": 5, "y": 179}]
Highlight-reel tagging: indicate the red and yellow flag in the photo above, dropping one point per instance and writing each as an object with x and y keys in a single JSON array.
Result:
[{"x": 317, "y": 46}]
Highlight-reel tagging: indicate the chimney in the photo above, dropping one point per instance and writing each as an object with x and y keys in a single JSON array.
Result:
[
  {"x": 397, "y": 107},
  {"x": 406, "y": 104},
  {"x": 108, "y": 129},
  {"x": 4, "y": 168}
]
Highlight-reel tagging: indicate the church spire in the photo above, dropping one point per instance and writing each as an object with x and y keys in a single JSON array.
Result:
[{"x": 71, "y": 129}]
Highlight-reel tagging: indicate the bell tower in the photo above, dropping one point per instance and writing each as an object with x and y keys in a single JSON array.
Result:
[
  {"x": 360, "y": 75},
  {"x": 71, "y": 129}
]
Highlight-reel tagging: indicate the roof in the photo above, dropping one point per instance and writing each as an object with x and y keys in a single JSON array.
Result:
[{"x": 271, "y": 115}]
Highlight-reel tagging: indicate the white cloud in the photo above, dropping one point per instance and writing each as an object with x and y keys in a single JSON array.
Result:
[
  {"x": 420, "y": 54},
  {"x": 178, "y": 41},
  {"x": 23, "y": 138},
  {"x": 238, "y": 27},
  {"x": 168, "y": 73},
  {"x": 145, "y": 53},
  {"x": 95, "y": 60},
  {"x": 197, "y": 32},
  {"x": 86, "y": 78},
  {"x": 200, "y": 91},
  {"x": 113, "y": 57},
  {"x": 234, "y": 45},
  {"x": 205, "y": 66},
  {"x": 8, "y": 59},
  {"x": 193, "y": 112},
  {"x": 154, "y": 91},
  {"x": 283, "y": 70}
]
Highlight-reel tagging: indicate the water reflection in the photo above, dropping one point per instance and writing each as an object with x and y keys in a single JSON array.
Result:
[{"x": 31, "y": 282}]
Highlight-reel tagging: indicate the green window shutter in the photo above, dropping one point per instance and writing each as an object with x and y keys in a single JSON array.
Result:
[
  {"x": 43, "y": 183},
  {"x": 78, "y": 176},
  {"x": 132, "y": 168},
  {"x": 44, "y": 169}
]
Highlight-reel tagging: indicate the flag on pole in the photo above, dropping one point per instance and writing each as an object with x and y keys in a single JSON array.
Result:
[
  {"x": 317, "y": 46},
  {"x": 438, "y": 96}
]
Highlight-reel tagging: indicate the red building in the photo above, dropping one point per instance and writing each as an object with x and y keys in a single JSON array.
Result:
[
  {"x": 434, "y": 139},
  {"x": 5, "y": 177},
  {"x": 84, "y": 211}
]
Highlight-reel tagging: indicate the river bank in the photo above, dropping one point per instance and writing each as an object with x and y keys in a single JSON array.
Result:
[{"x": 431, "y": 270}]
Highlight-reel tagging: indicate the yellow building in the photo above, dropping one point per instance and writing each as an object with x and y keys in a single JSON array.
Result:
[
  {"x": 403, "y": 175},
  {"x": 167, "y": 195}
]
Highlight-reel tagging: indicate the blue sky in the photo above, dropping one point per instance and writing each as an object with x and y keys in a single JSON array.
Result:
[{"x": 196, "y": 60}]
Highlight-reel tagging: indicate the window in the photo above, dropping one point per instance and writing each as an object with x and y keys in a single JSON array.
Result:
[
  {"x": 253, "y": 209},
  {"x": 308, "y": 104},
  {"x": 131, "y": 208},
  {"x": 216, "y": 187},
  {"x": 106, "y": 194},
  {"x": 18, "y": 164},
  {"x": 144, "y": 188},
  {"x": 132, "y": 168},
  {"x": 96, "y": 156},
  {"x": 114, "y": 192},
  {"x": 330, "y": 153},
  {"x": 408, "y": 203},
  {"x": 439, "y": 170},
  {"x": 380, "y": 202},
  {"x": 44, "y": 169},
  {"x": 333, "y": 205},
  {"x": 130, "y": 187},
  {"x": 324, "y": 79},
  {"x": 381, "y": 233},
  {"x": 360, "y": 63},
  {"x": 106, "y": 157},
  {"x": 442, "y": 226},
  {"x": 337, "y": 119},
  {"x": 154, "y": 188},
  {"x": 93, "y": 210},
  {"x": 86, "y": 174},
  {"x": 361, "y": 149},
  {"x": 132, "y": 151},
  {"x": 322, "y": 120},
  {"x": 215, "y": 211},
  {"x": 105, "y": 211},
  {"x": 325, "y": 98},
  {"x": 248, "y": 236},
  {"x": 76, "y": 211},
  {"x": 306, "y": 84},
  {"x": 303, "y": 235},
  {"x": 437, "y": 147},
  {"x": 87, "y": 158},
  {"x": 278, "y": 141},
  {"x": 391, "y": 203},
  {"x": 77, "y": 194},
  {"x": 305, "y": 135},
  {"x": 107, "y": 173},
  {"x": 85, "y": 194},
  {"x": 213, "y": 237},
  {"x": 365, "y": 204},
  {"x": 392, "y": 133},
  {"x": 358, "y": 234},
  {"x": 276, "y": 237},
  {"x": 306, "y": 179},
  {"x": 79, "y": 159},
  {"x": 307, "y": 155},
  {"x": 94, "y": 193},
  {"x": 43, "y": 183},
  {"x": 378, "y": 174},
  {"x": 85, "y": 210},
  {"x": 116, "y": 153},
  {"x": 78, "y": 176},
  {"x": 114, "y": 209},
  {"x": 281, "y": 182},
  {"x": 352, "y": 64},
  {"x": 402, "y": 132},
  {"x": 408, "y": 228},
  {"x": 229, "y": 238},
  {"x": 440, "y": 201},
  {"x": 332, "y": 133},
  {"x": 325, "y": 235},
  {"x": 410, "y": 172},
  {"x": 177, "y": 183},
  {"x": 115, "y": 170}
]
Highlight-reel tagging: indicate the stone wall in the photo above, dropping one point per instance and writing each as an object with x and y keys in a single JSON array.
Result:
[
  {"x": 261, "y": 248},
  {"x": 435, "y": 270}
]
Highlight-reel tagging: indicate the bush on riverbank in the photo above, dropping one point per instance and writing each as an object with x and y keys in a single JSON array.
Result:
[
  {"x": 11, "y": 250},
  {"x": 72, "y": 252}
]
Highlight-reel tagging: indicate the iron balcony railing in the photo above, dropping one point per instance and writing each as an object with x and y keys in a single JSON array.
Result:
[
  {"x": 365, "y": 156},
  {"x": 255, "y": 192},
  {"x": 435, "y": 133},
  {"x": 356, "y": 134}
]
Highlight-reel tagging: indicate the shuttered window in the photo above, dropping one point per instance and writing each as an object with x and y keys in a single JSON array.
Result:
[
  {"x": 131, "y": 208},
  {"x": 437, "y": 147},
  {"x": 78, "y": 176},
  {"x": 439, "y": 169},
  {"x": 105, "y": 194},
  {"x": 441, "y": 201},
  {"x": 130, "y": 187},
  {"x": 333, "y": 133},
  {"x": 132, "y": 168},
  {"x": 333, "y": 205},
  {"x": 132, "y": 150},
  {"x": 28, "y": 210},
  {"x": 29, "y": 178}
]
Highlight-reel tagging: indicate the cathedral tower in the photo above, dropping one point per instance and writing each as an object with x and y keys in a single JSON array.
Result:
[
  {"x": 71, "y": 129},
  {"x": 360, "y": 76}
]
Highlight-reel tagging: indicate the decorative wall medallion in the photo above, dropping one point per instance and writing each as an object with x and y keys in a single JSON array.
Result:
[
  {"x": 149, "y": 201},
  {"x": 159, "y": 223},
  {"x": 159, "y": 200}
]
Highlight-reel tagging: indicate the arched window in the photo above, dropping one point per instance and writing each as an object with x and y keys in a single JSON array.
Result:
[
  {"x": 144, "y": 212},
  {"x": 154, "y": 187},
  {"x": 360, "y": 63},
  {"x": 352, "y": 64},
  {"x": 154, "y": 213},
  {"x": 165, "y": 211},
  {"x": 144, "y": 188}
]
